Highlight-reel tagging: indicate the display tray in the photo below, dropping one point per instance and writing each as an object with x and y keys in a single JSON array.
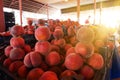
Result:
[
  {"x": 102, "y": 74},
  {"x": 5, "y": 74}
]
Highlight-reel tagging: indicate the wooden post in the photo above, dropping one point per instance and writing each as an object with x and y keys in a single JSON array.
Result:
[
  {"x": 47, "y": 12},
  {"x": 20, "y": 8},
  {"x": 2, "y": 19},
  {"x": 94, "y": 12},
  {"x": 100, "y": 12},
  {"x": 78, "y": 10}
]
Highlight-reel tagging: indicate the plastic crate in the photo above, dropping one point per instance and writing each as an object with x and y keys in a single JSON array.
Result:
[{"x": 107, "y": 53}]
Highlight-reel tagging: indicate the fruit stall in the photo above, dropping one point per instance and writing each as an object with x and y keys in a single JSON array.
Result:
[
  {"x": 55, "y": 55},
  {"x": 60, "y": 50}
]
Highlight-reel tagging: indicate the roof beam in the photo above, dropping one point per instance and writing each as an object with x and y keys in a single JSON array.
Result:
[{"x": 105, "y": 4}]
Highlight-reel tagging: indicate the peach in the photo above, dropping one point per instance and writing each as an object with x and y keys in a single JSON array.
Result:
[
  {"x": 60, "y": 42},
  {"x": 17, "y": 54},
  {"x": 96, "y": 61},
  {"x": 58, "y": 27},
  {"x": 49, "y": 75},
  {"x": 42, "y": 33},
  {"x": 33, "y": 59},
  {"x": 7, "y": 62},
  {"x": 67, "y": 73},
  {"x": 17, "y": 42},
  {"x": 27, "y": 61},
  {"x": 35, "y": 74},
  {"x": 17, "y": 30},
  {"x": 15, "y": 66},
  {"x": 85, "y": 34},
  {"x": 67, "y": 46},
  {"x": 7, "y": 33},
  {"x": 85, "y": 50},
  {"x": 58, "y": 33},
  {"x": 73, "y": 61},
  {"x": 53, "y": 58},
  {"x": 23, "y": 71},
  {"x": 87, "y": 72},
  {"x": 7, "y": 50},
  {"x": 43, "y": 47},
  {"x": 55, "y": 48},
  {"x": 99, "y": 43},
  {"x": 27, "y": 48},
  {"x": 70, "y": 50}
]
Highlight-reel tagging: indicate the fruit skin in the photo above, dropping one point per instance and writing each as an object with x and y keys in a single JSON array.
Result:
[
  {"x": 7, "y": 33},
  {"x": 58, "y": 27},
  {"x": 32, "y": 59},
  {"x": 16, "y": 31},
  {"x": 98, "y": 44},
  {"x": 35, "y": 74},
  {"x": 56, "y": 69},
  {"x": 42, "y": 33},
  {"x": 54, "y": 48},
  {"x": 48, "y": 75},
  {"x": 70, "y": 50},
  {"x": 17, "y": 42},
  {"x": 67, "y": 46},
  {"x": 85, "y": 34},
  {"x": 23, "y": 71},
  {"x": 53, "y": 58},
  {"x": 7, "y": 62},
  {"x": 27, "y": 61},
  {"x": 27, "y": 48},
  {"x": 15, "y": 66},
  {"x": 73, "y": 61},
  {"x": 17, "y": 54},
  {"x": 58, "y": 33},
  {"x": 67, "y": 73},
  {"x": 87, "y": 72},
  {"x": 43, "y": 47},
  {"x": 85, "y": 50},
  {"x": 7, "y": 50},
  {"x": 96, "y": 61},
  {"x": 60, "y": 42}
]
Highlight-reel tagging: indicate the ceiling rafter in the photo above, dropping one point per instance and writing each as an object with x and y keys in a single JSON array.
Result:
[
  {"x": 41, "y": 8},
  {"x": 13, "y": 2},
  {"x": 27, "y": 5}
]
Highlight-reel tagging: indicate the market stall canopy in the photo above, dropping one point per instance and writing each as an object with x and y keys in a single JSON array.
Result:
[
  {"x": 61, "y": 4},
  {"x": 28, "y": 5},
  {"x": 39, "y": 6},
  {"x": 66, "y": 6}
]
